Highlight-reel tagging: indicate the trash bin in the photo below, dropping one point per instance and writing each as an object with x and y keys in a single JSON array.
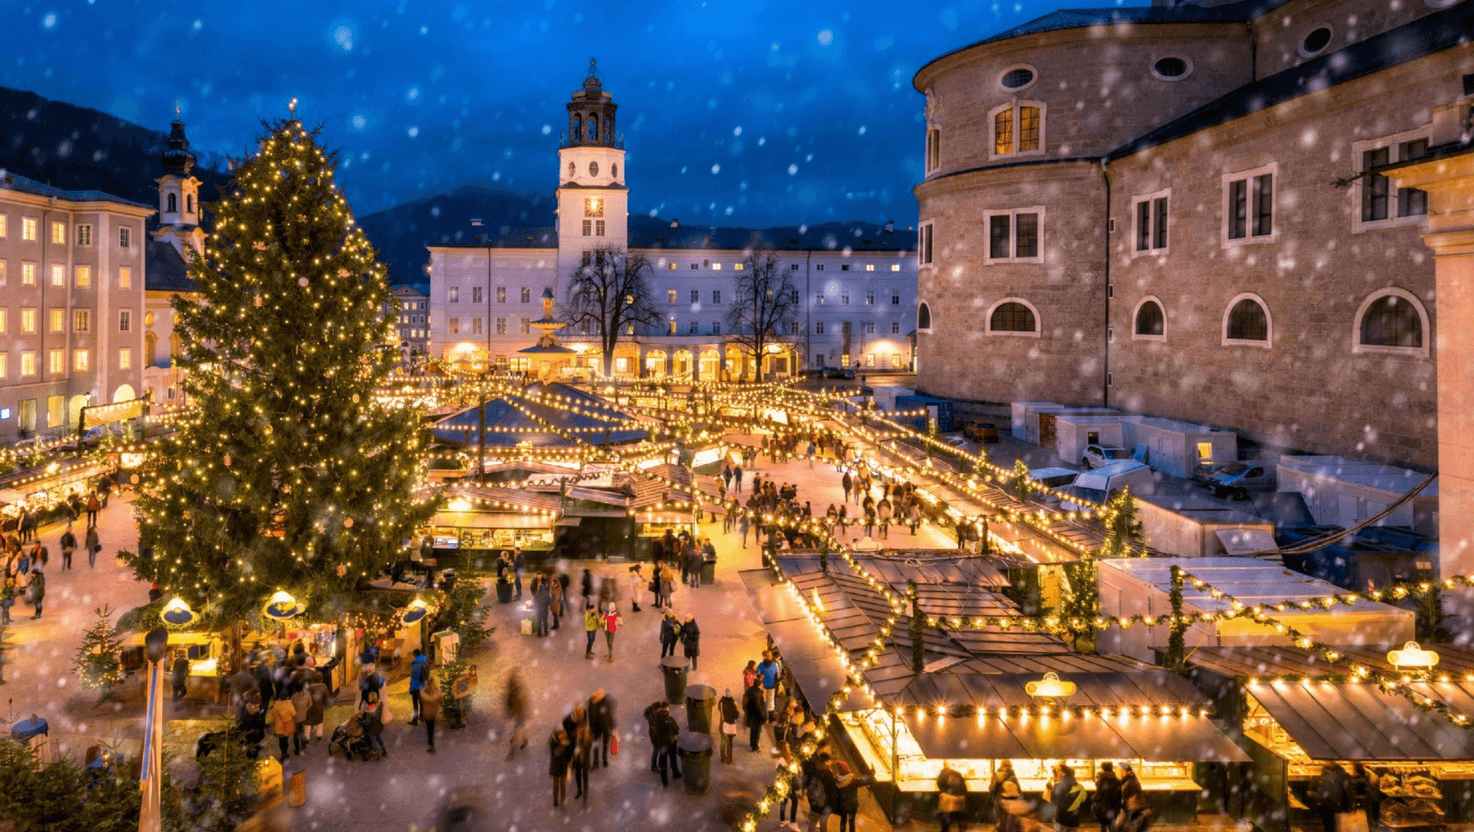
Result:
[
  {"x": 674, "y": 668},
  {"x": 297, "y": 788},
  {"x": 699, "y": 702},
  {"x": 708, "y": 571},
  {"x": 504, "y": 592},
  {"x": 695, "y": 761}
]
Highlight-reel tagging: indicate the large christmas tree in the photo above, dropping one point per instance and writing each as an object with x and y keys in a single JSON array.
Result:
[{"x": 286, "y": 473}]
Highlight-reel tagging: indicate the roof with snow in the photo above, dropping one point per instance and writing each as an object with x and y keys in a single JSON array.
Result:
[
  {"x": 165, "y": 270},
  {"x": 20, "y": 184},
  {"x": 524, "y": 417}
]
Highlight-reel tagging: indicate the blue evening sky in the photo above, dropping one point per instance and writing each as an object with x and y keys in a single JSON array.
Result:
[{"x": 744, "y": 113}]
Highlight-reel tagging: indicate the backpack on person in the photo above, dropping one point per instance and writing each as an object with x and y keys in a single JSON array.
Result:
[{"x": 817, "y": 794}]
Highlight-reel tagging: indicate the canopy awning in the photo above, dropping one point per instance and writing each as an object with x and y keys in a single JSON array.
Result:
[
  {"x": 1349, "y": 721},
  {"x": 493, "y": 520},
  {"x": 1149, "y": 738},
  {"x": 568, "y": 522},
  {"x": 774, "y": 601},
  {"x": 1247, "y": 541}
]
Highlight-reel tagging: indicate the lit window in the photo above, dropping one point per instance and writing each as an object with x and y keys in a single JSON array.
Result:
[
  {"x": 737, "y": 267},
  {"x": 716, "y": 267},
  {"x": 4, "y": 230},
  {"x": 28, "y": 231},
  {"x": 1018, "y": 128},
  {"x": 84, "y": 277},
  {"x": 58, "y": 275},
  {"x": 670, "y": 296},
  {"x": 56, "y": 362},
  {"x": 28, "y": 321},
  {"x": 81, "y": 320},
  {"x": 895, "y": 267},
  {"x": 454, "y": 326},
  {"x": 125, "y": 278},
  {"x": 84, "y": 235},
  {"x": 4, "y": 365},
  {"x": 58, "y": 320},
  {"x": 2, "y": 272},
  {"x": 79, "y": 361},
  {"x": 28, "y": 274},
  {"x": 3, "y": 321},
  {"x": 28, "y": 363},
  {"x": 59, "y": 233},
  {"x": 125, "y": 359}
]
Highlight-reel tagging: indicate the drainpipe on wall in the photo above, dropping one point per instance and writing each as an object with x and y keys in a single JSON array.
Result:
[{"x": 1105, "y": 378}]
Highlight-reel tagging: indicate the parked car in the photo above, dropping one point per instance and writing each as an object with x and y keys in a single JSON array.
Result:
[
  {"x": 1100, "y": 485},
  {"x": 1097, "y": 456},
  {"x": 839, "y": 372},
  {"x": 981, "y": 432},
  {"x": 1237, "y": 479},
  {"x": 1055, "y": 479}
]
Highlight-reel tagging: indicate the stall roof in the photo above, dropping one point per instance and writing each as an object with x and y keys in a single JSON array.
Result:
[
  {"x": 1249, "y": 662},
  {"x": 931, "y": 566},
  {"x": 1153, "y": 739},
  {"x": 495, "y": 520},
  {"x": 1248, "y": 580},
  {"x": 1357, "y": 721},
  {"x": 519, "y": 497}
]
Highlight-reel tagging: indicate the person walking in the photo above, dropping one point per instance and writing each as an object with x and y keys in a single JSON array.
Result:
[
  {"x": 557, "y": 597},
  {"x": 767, "y": 672},
  {"x": 637, "y": 583},
  {"x": 430, "y": 710},
  {"x": 611, "y": 626},
  {"x": 68, "y": 546},
  {"x": 1105, "y": 804},
  {"x": 601, "y": 723},
  {"x": 1068, "y": 798},
  {"x": 583, "y": 748},
  {"x": 519, "y": 563},
  {"x": 317, "y": 689},
  {"x": 670, "y": 633},
  {"x": 952, "y": 798},
  {"x": 754, "y": 712},
  {"x": 727, "y": 710},
  {"x": 419, "y": 669},
  {"x": 94, "y": 545},
  {"x": 38, "y": 590},
  {"x": 1130, "y": 784},
  {"x": 284, "y": 725},
  {"x": 1019, "y": 810},
  {"x": 822, "y": 791},
  {"x": 663, "y": 733},
  {"x": 542, "y": 600},
  {"x": 849, "y": 483},
  {"x": 592, "y": 621},
  {"x": 788, "y": 804},
  {"x": 179, "y": 676},
  {"x": 516, "y": 707},
  {"x": 1003, "y": 775},
  {"x": 690, "y": 640},
  {"x": 560, "y": 755},
  {"x": 93, "y": 505}
]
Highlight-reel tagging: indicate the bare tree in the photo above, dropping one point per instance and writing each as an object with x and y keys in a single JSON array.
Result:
[
  {"x": 610, "y": 295},
  {"x": 762, "y": 313}
]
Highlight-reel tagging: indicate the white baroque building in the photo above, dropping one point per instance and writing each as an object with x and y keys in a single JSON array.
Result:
[{"x": 856, "y": 291}]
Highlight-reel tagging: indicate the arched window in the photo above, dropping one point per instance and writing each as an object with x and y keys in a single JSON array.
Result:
[
  {"x": 1013, "y": 316},
  {"x": 1151, "y": 321},
  {"x": 171, "y": 203},
  {"x": 189, "y": 203},
  {"x": 593, "y": 128},
  {"x": 572, "y": 169},
  {"x": 1391, "y": 320},
  {"x": 150, "y": 349},
  {"x": 923, "y": 317},
  {"x": 176, "y": 347},
  {"x": 1248, "y": 321}
]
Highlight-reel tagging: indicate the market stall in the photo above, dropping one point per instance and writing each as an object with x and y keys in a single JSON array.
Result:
[
  {"x": 43, "y": 492},
  {"x": 1296, "y": 713},
  {"x": 977, "y": 701}
]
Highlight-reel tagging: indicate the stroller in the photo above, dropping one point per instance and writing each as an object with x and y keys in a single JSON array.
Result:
[{"x": 352, "y": 738}]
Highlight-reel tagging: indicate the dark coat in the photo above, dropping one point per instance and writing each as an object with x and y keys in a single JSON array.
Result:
[
  {"x": 601, "y": 716},
  {"x": 560, "y": 754},
  {"x": 1105, "y": 804},
  {"x": 753, "y": 708},
  {"x": 691, "y": 638}
]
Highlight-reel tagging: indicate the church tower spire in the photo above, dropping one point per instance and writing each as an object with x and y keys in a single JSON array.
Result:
[
  {"x": 593, "y": 202},
  {"x": 179, "y": 193}
]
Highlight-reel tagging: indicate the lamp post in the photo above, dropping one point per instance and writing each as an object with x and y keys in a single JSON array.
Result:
[{"x": 156, "y": 647}]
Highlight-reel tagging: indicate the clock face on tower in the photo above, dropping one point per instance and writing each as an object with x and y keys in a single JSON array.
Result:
[
  {"x": 593, "y": 207},
  {"x": 593, "y": 168}
]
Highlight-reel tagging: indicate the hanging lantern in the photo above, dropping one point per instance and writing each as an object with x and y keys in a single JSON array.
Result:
[
  {"x": 1412, "y": 656},
  {"x": 283, "y": 607},
  {"x": 416, "y": 611},
  {"x": 1049, "y": 687},
  {"x": 177, "y": 613}
]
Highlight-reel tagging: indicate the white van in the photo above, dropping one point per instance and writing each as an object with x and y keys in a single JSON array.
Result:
[{"x": 1100, "y": 485}]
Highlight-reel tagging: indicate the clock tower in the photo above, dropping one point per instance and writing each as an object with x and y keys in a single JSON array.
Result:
[{"x": 593, "y": 203}]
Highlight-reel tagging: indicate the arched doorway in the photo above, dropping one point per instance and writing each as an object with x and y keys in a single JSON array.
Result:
[
  {"x": 682, "y": 364},
  {"x": 711, "y": 364},
  {"x": 655, "y": 364},
  {"x": 124, "y": 393}
]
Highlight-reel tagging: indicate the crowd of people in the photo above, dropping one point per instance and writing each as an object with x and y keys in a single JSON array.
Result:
[
  {"x": 584, "y": 741},
  {"x": 28, "y": 559}
]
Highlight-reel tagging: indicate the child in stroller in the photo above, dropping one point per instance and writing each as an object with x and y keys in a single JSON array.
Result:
[{"x": 352, "y": 738}]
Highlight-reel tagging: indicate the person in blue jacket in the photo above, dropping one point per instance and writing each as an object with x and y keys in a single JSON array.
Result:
[{"x": 419, "y": 670}]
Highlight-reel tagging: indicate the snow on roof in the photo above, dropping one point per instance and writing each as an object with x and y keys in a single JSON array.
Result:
[
  {"x": 1248, "y": 580},
  {"x": 1375, "y": 475}
]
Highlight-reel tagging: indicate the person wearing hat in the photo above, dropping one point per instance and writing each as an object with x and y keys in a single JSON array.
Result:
[
  {"x": 1105, "y": 804},
  {"x": 951, "y": 798},
  {"x": 1018, "y": 808},
  {"x": 1003, "y": 775},
  {"x": 848, "y": 803},
  {"x": 1130, "y": 785}
]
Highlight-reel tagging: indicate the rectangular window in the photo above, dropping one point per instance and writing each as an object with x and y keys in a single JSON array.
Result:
[
  {"x": 84, "y": 277},
  {"x": 79, "y": 361},
  {"x": 691, "y": 327},
  {"x": 869, "y": 267},
  {"x": 598, "y": 228},
  {"x": 56, "y": 410},
  {"x": 56, "y": 362},
  {"x": 895, "y": 298},
  {"x": 28, "y": 321},
  {"x": 819, "y": 268},
  {"x": 526, "y": 324},
  {"x": 1015, "y": 235},
  {"x": 501, "y": 326},
  {"x": 453, "y": 326},
  {"x": 793, "y": 267},
  {"x": 4, "y": 366},
  {"x": 453, "y": 294},
  {"x": 125, "y": 278},
  {"x": 476, "y": 325},
  {"x": 1376, "y": 189},
  {"x": 844, "y": 267},
  {"x": 869, "y": 297},
  {"x": 1003, "y": 132},
  {"x": 28, "y": 274},
  {"x": 588, "y": 228},
  {"x": 125, "y": 320},
  {"x": 4, "y": 223},
  {"x": 1412, "y": 202},
  {"x": 1151, "y": 222},
  {"x": 125, "y": 359},
  {"x": 737, "y": 267},
  {"x": 716, "y": 296},
  {"x": 844, "y": 298},
  {"x": 695, "y": 295},
  {"x": 716, "y": 267},
  {"x": 81, "y": 320},
  {"x": 716, "y": 328},
  {"x": 526, "y": 294},
  {"x": 59, "y": 233},
  {"x": 84, "y": 235},
  {"x": 793, "y": 296},
  {"x": 28, "y": 230},
  {"x": 819, "y": 299},
  {"x": 670, "y": 296},
  {"x": 818, "y": 327},
  {"x": 670, "y": 327},
  {"x": 1248, "y": 209},
  {"x": 58, "y": 275},
  {"x": 869, "y": 327},
  {"x": 1028, "y": 129},
  {"x": 895, "y": 327},
  {"x": 58, "y": 320},
  {"x": 125, "y": 237},
  {"x": 28, "y": 363},
  {"x": 2, "y": 273},
  {"x": 475, "y": 294},
  {"x": 3, "y": 320},
  {"x": 933, "y": 149}
]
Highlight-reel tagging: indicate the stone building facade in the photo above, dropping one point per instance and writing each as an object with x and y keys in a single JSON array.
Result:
[
  {"x": 855, "y": 288},
  {"x": 1174, "y": 211}
]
